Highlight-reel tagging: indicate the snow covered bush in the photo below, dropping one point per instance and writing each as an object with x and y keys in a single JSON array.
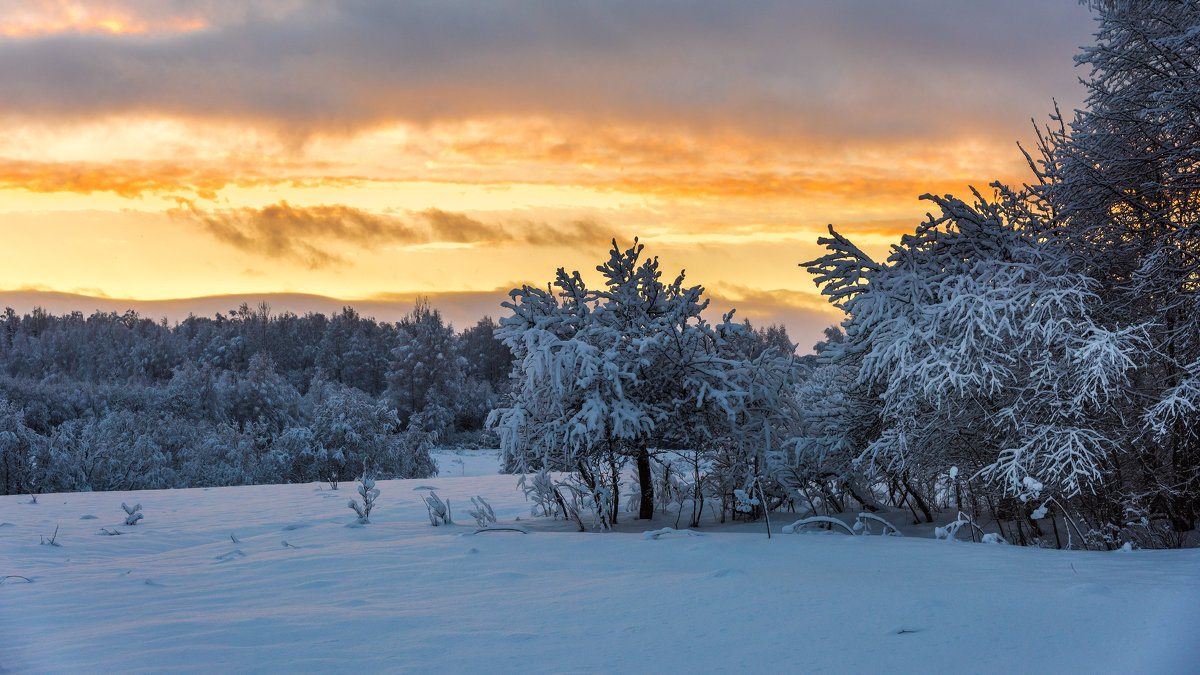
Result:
[
  {"x": 439, "y": 511},
  {"x": 862, "y": 525},
  {"x": 821, "y": 522},
  {"x": 350, "y": 432},
  {"x": 132, "y": 513},
  {"x": 482, "y": 513},
  {"x": 539, "y": 488},
  {"x": 948, "y": 532}
]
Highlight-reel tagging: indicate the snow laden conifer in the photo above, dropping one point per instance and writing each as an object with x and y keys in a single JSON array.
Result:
[
  {"x": 425, "y": 372},
  {"x": 602, "y": 375}
]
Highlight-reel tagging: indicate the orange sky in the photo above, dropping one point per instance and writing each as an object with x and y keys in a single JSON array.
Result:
[{"x": 159, "y": 150}]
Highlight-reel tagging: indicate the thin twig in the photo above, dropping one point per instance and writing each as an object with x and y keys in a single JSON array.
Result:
[{"x": 502, "y": 529}]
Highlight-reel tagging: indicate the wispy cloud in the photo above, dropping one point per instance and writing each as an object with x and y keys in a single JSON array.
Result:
[
  {"x": 313, "y": 235},
  {"x": 301, "y": 234},
  {"x": 134, "y": 178}
]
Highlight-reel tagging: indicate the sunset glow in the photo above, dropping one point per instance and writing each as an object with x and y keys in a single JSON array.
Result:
[{"x": 369, "y": 152}]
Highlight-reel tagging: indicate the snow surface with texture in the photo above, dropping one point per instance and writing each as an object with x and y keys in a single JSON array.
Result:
[{"x": 177, "y": 593}]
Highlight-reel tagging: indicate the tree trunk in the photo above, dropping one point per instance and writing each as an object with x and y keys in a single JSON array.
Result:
[
  {"x": 920, "y": 501},
  {"x": 645, "y": 481},
  {"x": 614, "y": 469}
]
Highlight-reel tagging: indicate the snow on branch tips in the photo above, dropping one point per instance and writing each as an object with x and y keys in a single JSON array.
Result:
[
  {"x": 368, "y": 493},
  {"x": 608, "y": 376}
]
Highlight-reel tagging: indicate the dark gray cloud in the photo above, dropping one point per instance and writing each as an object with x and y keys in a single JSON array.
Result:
[
  {"x": 300, "y": 234},
  {"x": 306, "y": 234},
  {"x": 825, "y": 68}
]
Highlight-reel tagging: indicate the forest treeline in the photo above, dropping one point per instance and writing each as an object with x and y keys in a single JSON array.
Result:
[{"x": 120, "y": 401}]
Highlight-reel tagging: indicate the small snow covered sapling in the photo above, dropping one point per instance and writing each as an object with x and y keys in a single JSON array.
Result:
[
  {"x": 948, "y": 532},
  {"x": 541, "y": 491},
  {"x": 369, "y": 493},
  {"x": 862, "y": 525},
  {"x": 439, "y": 511},
  {"x": 132, "y": 513},
  {"x": 745, "y": 502},
  {"x": 52, "y": 540},
  {"x": 482, "y": 513}
]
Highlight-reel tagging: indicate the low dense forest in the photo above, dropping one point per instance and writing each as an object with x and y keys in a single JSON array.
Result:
[{"x": 112, "y": 401}]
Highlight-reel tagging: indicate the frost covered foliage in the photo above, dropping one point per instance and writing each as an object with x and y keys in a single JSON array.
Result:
[
  {"x": 132, "y": 513},
  {"x": 19, "y": 449},
  {"x": 120, "y": 402},
  {"x": 620, "y": 373},
  {"x": 977, "y": 328},
  {"x": 439, "y": 511},
  {"x": 1123, "y": 178},
  {"x": 368, "y": 493},
  {"x": 349, "y": 433},
  {"x": 1045, "y": 340}
]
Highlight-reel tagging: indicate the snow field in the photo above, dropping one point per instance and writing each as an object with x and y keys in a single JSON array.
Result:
[{"x": 177, "y": 593}]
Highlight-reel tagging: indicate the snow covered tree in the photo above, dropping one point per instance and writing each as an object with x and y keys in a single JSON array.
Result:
[
  {"x": 425, "y": 371},
  {"x": 19, "y": 449},
  {"x": 980, "y": 342},
  {"x": 1047, "y": 339},
  {"x": 353, "y": 434},
  {"x": 1123, "y": 179},
  {"x": 603, "y": 375},
  {"x": 260, "y": 395},
  {"x": 353, "y": 351},
  {"x": 487, "y": 364},
  {"x": 835, "y": 418}
]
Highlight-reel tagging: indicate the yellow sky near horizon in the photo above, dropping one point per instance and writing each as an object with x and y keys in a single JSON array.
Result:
[{"x": 253, "y": 175}]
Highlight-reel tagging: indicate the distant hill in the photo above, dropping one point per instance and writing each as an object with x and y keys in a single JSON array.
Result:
[{"x": 462, "y": 309}]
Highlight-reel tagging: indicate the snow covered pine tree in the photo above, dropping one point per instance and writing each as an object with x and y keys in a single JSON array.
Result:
[{"x": 603, "y": 374}]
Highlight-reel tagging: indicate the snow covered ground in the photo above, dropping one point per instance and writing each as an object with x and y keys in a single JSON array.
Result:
[{"x": 176, "y": 592}]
